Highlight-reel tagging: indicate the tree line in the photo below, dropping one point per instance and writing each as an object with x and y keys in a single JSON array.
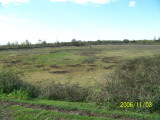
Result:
[{"x": 74, "y": 42}]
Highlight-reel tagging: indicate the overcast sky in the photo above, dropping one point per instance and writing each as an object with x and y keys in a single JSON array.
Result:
[{"x": 63, "y": 20}]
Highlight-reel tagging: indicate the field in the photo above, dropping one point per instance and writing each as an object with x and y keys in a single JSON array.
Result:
[
  {"x": 88, "y": 66},
  {"x": 83, "y": 65}
]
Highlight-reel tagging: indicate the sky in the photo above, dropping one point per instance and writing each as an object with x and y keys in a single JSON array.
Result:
[{"x": 64, "y": 20}]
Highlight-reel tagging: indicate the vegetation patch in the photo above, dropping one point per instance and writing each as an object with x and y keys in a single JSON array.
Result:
[
  {"x": 110, "y": 67},
  {"x": 90, "y": 52},
  {"x": 5, "y": 113},
  {"x": 89, "y": 60},
  {"x": 109, "y": 60}
]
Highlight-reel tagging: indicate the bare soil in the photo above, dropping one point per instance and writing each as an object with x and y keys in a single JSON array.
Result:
[
  {"x": 39, "y": 66},
  {"x": 77, "y": 65},
  {"x": 55, "y": 66},
  {"x": 59, "y": 72}
]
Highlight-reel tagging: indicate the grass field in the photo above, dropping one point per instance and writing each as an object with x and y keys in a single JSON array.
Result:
[
  {"x": 88, "y": 66},
  {"x": 84, "y": 65}
]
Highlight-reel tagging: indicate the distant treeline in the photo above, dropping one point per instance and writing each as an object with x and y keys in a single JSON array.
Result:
[{"x": 74, "y": 42}]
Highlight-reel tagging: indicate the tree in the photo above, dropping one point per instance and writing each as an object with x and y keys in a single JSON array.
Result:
[
  {"x": 27, "y": 43},
  {"x": 126, "y": 41},
  {"x": 44, "y": 43},
  {"x": 74, "y": 42},
  {"x": 9, "y": 44}
]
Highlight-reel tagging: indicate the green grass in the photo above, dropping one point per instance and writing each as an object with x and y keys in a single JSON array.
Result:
[
  {"x": 87, "y": 107},
  {"x": 36, "y": 114}
]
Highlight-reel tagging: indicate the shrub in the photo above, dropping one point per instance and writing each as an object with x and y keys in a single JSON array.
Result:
[
  {"x": 136, "y": 80},
  {"x": 68, "y": 92},
  {"x": 10, "y": 80}
]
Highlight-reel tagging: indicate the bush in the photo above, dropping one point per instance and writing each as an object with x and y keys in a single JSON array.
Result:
[
  {"x": 10, "y": 80},
  {"x": 68, "y": 92},
  {"x": 136, "y": 80}
]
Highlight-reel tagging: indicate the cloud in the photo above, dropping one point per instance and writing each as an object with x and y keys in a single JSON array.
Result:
[
  {"x": 132, "y": 3},
  {"x": 12, "y": 18},
  {"x": 4, "y": 2},
  {"x": 4, "y": 18},
  {"x": 85, "y": 1},
  {"x": 58, "y": 0}
]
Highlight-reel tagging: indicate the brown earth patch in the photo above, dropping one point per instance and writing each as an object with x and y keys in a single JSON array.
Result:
[
  {"x": 46, "y": 69},
  {"x": 39, "y": 66},
  {"x": 26, "y": 63},
  {"x": 59, "y": 72},
  {"x": 54, "y": 52},
  {"x": 55, "y": 66},
  {"x": 8, "y": 65},
  {"x": 77, "y": 65},
  {"x": 67, "y": 59},
  {"x": 15, "y": 62},
  {"x": 90, "y": 69},
  {"x": 93, "y": 65},
  {"x": 110, "y": 67}
]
